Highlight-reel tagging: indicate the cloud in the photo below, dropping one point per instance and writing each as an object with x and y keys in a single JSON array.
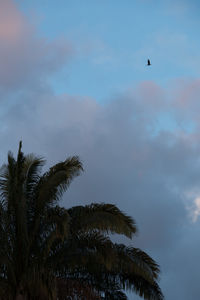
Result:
[
  {"x": 148, "y": 176},
  {"x": 192, "y": 201},
  {"x": 196, "y": 210},
  {"x": 11, "y": 22},
  {"x": 26, "y": 58}
]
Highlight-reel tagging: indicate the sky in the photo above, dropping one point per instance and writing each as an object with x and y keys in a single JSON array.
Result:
[{"x": 74, "y": 81}]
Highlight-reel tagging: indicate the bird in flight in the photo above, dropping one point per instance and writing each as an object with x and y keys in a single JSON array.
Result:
[{"x": 148, "y": 62}]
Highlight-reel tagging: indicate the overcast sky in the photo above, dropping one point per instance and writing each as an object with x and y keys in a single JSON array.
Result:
[{"x": 74, "y": 81}]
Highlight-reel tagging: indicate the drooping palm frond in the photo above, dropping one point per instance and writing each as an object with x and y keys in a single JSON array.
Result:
[
  {"x": 86, "y": 251},
  {"x": 133, "y": 260},
  {"x": 111, "y": 283},
  {"x": 142, "y": 287},
  {"x": 107, "y": 266},
  {"x": 142, "y": 256},
  {"x": 106, "y": 218}
]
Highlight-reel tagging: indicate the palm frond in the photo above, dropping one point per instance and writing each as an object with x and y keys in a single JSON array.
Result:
[
  {"x": 115, "y": 294},
  {"x": 104, "y": 217},
  {"x": 52, "y": 185},
  {"x": 55, "y": 182},
  {"x": 58, "y": 220},
  {"x": 75, "y": 289},
  {"x": 142, "y": 256},
  {"x": 87, "y": 251},
  {"x": 134, "y": 261},
  {"x": 7, "y": 182},
  {"x": 109, "y": 267},
  {"x": 142, "y": 287},
  {"x": 32, "y": 168}
]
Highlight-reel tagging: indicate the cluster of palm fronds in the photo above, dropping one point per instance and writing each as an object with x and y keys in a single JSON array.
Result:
[{"x": 50, "y": 252}]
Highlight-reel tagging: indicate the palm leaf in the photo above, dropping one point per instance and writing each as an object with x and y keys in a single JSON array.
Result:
[
  {"x": 104, "y": 217},
  {"x": 51, "y": 187},
  {"x": 134, "y": 261},
  {"x": 55, "y": 182},
  {"x": 58, "y": 219},
  {"x": 32, "y": 168}
]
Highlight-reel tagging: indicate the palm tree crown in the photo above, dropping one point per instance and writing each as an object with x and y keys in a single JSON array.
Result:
[{"x": 50, "y": 252}]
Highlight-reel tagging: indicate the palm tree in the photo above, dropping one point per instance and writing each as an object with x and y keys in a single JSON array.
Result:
[{"x": 50, "y": 252}]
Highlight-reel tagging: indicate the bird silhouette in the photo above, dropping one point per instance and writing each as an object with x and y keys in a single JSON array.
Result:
[{"x": 148, "y": 62}]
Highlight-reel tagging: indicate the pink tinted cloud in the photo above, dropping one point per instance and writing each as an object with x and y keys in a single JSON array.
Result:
[
  {"x": 24, "y": 57},
  {"x": 12, "y": 23}
]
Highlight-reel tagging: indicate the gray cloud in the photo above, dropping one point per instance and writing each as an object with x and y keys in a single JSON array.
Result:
[{"x": 146, "y": 175}]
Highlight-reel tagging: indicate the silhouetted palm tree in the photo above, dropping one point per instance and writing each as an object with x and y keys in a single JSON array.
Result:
[{"x": 50, "y": 252}]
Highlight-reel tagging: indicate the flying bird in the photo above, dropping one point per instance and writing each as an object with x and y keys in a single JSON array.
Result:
[{"x": 148, "y": 62}]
